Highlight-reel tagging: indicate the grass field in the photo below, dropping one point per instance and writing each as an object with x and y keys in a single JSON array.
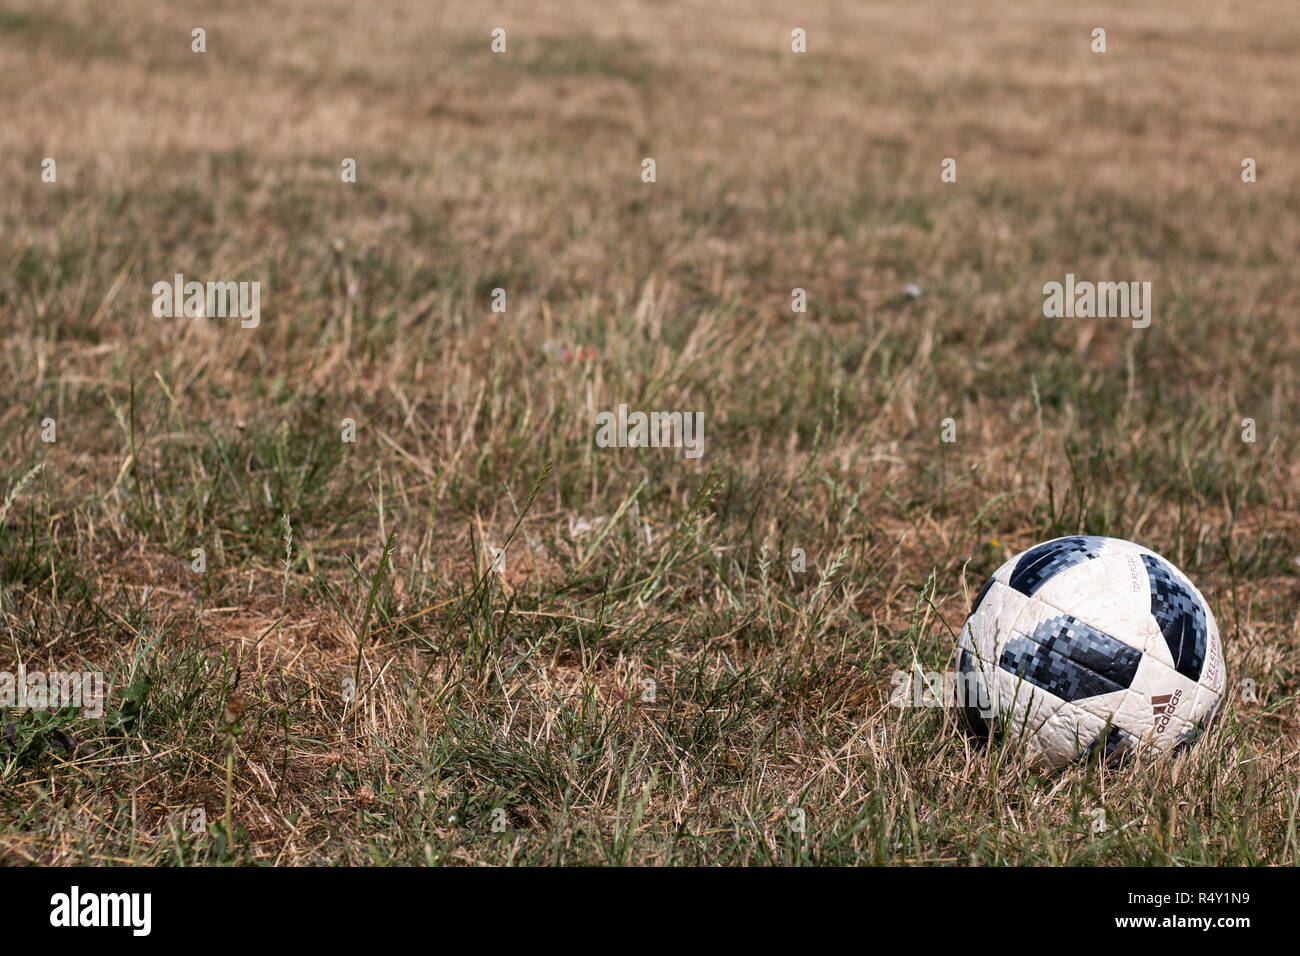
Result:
[{"x": 645, "y": 677}]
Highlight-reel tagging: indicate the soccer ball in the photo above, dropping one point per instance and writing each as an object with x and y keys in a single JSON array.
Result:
[{"x": 1084, "y": 643}]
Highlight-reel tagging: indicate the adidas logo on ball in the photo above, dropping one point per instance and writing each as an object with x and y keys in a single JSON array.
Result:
[{"x": 1163, "y": 708}]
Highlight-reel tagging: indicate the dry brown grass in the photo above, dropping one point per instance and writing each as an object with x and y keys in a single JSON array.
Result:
[{"x": 523, "y": 691}]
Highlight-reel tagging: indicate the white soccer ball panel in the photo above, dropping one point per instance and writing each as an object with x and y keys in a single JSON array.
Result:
[{"x": 1109, "y": 592}]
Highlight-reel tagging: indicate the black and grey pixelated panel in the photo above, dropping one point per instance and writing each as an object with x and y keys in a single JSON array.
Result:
[
  {"x": 1180, "y": 616},
  {"x": 1071, "y": 659},
  {"x": 974, "y": 700},
  {"x": 1039, "y": 564},
  {"x": 1114, "y": 746}
]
